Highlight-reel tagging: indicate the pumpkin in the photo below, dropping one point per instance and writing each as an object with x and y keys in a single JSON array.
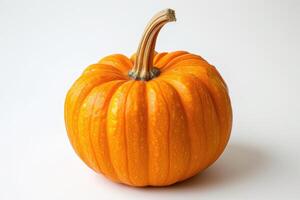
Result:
[{"x": 150, "y": 120}]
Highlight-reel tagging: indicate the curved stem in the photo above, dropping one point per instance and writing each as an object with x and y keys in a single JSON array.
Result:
[{"x": 143, "y": 68}]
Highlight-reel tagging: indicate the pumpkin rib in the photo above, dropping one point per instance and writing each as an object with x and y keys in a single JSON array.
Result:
[
  {"x": 169, "y": 137},
  {"x": 116, "y": 84},
  {"x": 210, "y": 69},
  {"x": 214, "y": 106},
  {"x": 225, "y": 130},
  {"x": 67, "y": 110},
  {"x": 136, "y": 133},
  {"x": 158, "y": 57},
  {"x": 158, "y": 137},
  {"x": 205, "y": 130},
  {"x": 207, "y": 91},
  {"x": 119, "y": 57},
  {"x": 187, "y": 91},
  {"x": 167, "y": 81},
  {"x": 204, "y": 88},
  {"x": 204, "y": 134},
  {"x": 181, "y": 64},
  {"x": 187, "y": 131},
  {"x": 81, "y": 84},
  {"x": 75, "y": 127},
  {"x": 224, "y": 95},
  {"x": 185, "y": 69},
  {"x": 125, "y": 132},
  {"x": 76, "y": 109},
  {"x": 115, "y": 175},
  {"x": 147, "y": 131},
  {"x": 183, "y": 120},
  {"x": 119, "y": 61},
  {"x": 180, "y": 58},
  {"x": 220, "y": 77},
  {"x": 89, "y": 133},
  {"x": 147, "y": 138},
  {"x": 103, "y": 68},
  {"x": 116, "y": 134},
  {"x": 204, "y": 84},
  {"x": 101, "y": 73},
  {"x": 168, "y": 58}
]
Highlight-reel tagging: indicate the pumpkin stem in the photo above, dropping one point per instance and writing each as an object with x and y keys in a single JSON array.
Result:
[{"x": 143, "y": 68}]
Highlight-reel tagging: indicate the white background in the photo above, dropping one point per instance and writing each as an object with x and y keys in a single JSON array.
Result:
[{"x": 45, "y": 45}]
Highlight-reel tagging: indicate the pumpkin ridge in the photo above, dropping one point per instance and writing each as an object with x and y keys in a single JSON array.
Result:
[
  {"x": 110, "y": 95},
  {"x": 117, "y": 75},
  {"x": 205, "y": 90},
  {"x": 115, "y": 133},
  {"x": 225, "y": 129},
  {"x": 118, "y": 61},
  {"x": 228, "y": 112},
  {"x": 210, "y": 69},
  {"x": 76, "y": 109},
  {"x": 168, "y": 111},
  {"x": 186, "y": 123},
  {"x": 214, "y": 105},
  {"x": 117, "y": 84},
  {"x": 120, "y": 58},
  {"x": 103, "y": 68},
  {"x": 217, "y": 116},
  {"x": 169, "y": 57},
  {"x": 147, "y": 131},
  {"x": 203, "y": 160},
  {"x": 204, "y": 129},
  {"x": 69, "y": 118},
  {"x": 136, "y": 133},
  {"x": 75, "y": 127},
  {"x": 213, "y": 68},
  {"x": 89, "y": 131},
  {"x": 184, "y": 135},
  {"x": 201, "y": 83},
  {"x": 185, "y": 57},
  {"x": 125, "y": 132},
  {"x": 157, "y": 58},
  {"x": 179, "y": 65}
]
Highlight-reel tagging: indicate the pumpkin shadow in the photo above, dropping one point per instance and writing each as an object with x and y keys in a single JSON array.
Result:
[{"x": 236, "y": 164}]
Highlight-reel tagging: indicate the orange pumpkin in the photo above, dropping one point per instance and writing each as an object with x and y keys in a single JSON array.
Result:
[{"x": 154, "y": 119}]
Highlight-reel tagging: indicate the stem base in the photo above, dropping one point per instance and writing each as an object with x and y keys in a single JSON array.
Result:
[{"x": 153, "y": 72}]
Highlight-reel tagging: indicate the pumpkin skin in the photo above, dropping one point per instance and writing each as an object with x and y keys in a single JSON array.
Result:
[{"x": 154, "y": 132}]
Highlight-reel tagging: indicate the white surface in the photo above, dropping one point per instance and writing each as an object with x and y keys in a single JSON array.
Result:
[{"x": 44, "y": 46}]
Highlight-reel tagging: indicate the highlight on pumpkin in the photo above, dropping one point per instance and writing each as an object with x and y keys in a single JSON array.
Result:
[{"x": 151, "y": 120}]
